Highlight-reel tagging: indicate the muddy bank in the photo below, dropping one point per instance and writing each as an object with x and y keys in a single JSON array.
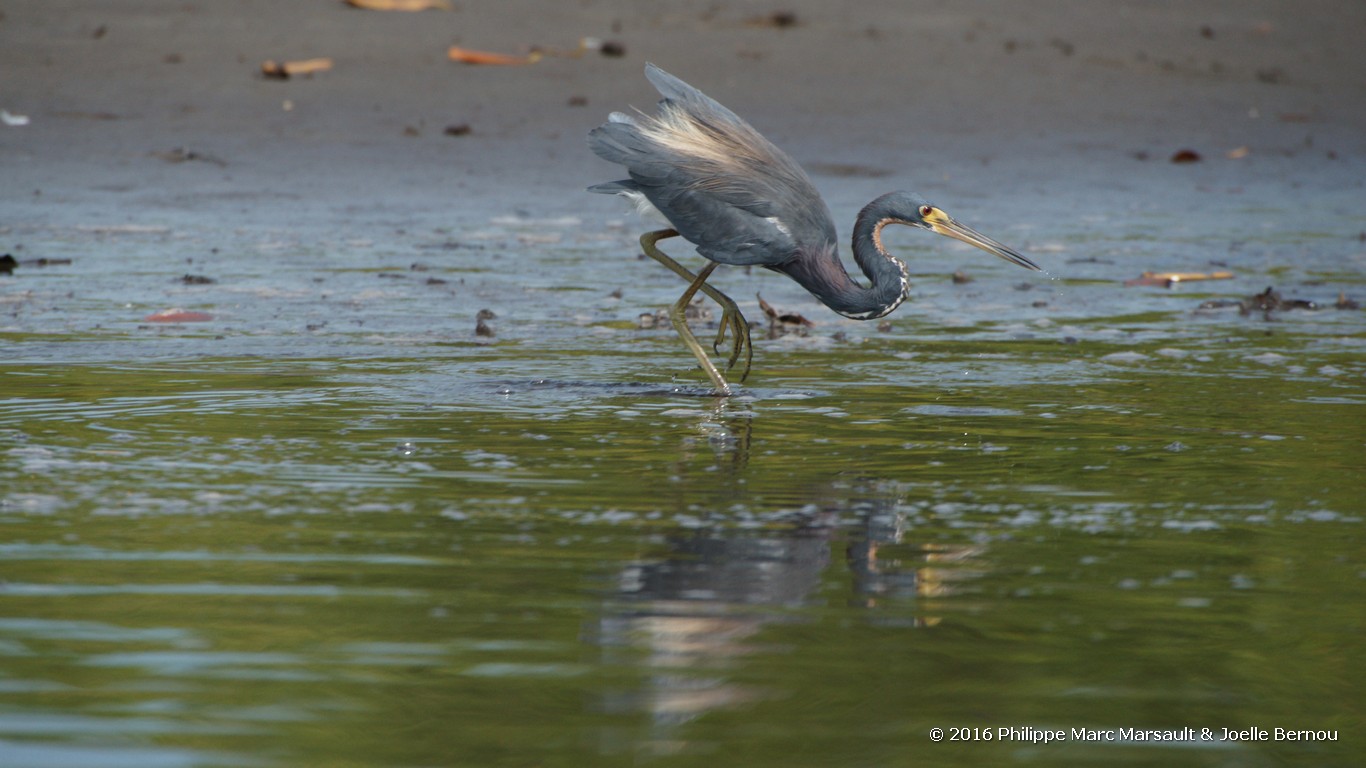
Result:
[{"x": 160, "y": 114}]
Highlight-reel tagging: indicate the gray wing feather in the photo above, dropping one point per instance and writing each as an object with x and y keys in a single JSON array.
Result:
[{"x": 721, "y": 184}]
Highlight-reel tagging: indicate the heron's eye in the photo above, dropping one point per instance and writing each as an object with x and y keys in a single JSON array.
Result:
[{"x": 926, "y": 210}]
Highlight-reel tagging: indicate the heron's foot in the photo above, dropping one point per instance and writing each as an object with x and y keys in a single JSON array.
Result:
[
  {"x": 677, "y": 314},
  {"x": 734, "y": 323}
]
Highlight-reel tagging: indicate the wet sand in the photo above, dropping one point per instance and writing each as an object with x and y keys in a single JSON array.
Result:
[
  {"x": 156, "y": 114},
  {"x": 335, "y": 525}
]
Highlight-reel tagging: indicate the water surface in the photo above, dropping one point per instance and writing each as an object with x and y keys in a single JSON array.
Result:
[{"x": 333, "y": 526}]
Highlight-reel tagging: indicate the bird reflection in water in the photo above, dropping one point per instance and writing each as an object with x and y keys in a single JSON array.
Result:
[{"x": 699, "y": 608}]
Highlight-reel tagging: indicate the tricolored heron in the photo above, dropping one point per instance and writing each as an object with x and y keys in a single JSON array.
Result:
[{"x": 743, "y": 202}]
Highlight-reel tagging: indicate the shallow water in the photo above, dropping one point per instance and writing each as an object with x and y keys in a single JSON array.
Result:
[{"x": 332, "y": 526}]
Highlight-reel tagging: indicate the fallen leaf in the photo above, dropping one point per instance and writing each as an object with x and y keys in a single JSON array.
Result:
[
  {"x": 1168, "y": 279},
  {"x": 1186, "y": 156},
  {"x": 782, "y": 324},
  {"x": 178, "y": 315},
  {"x": 400, "y": 5},
  {"x": 283, "y": 70},
  {"x": 468, "y": 56},
  {"x": 1238, "y": 154}
]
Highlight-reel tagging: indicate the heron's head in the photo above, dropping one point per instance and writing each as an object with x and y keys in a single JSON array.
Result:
[{"x": 905, "y": 208}]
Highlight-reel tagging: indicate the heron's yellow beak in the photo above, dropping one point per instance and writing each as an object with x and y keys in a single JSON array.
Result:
[{"x": 941, "y": 223}]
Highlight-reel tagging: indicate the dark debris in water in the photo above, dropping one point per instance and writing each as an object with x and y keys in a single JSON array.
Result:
[
  {"x": 450, "y": 245},
  {"x": 8, "y": 263},
  {"x": 783, "y": 323},
  {"x": 696, "y": 311},
  {"x": 481, "y": 327},
  {"x": 196, "y": 280},
  {"x": 1271, "y": 301}
]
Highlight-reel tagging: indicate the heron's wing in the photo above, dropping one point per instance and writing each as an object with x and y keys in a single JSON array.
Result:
[{"x": 721, "y": 184}]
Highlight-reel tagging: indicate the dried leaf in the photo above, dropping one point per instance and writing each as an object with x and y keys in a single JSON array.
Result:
[
  {"x": 284, "y": 70},
  {"x": 788, "y": 321},
  {"x": 400, "y": 5},
  {"x": 468, "y": 56},
  {"x": 178, "y": 315},
  {"x": 1168, "y": 279},
  {"x": 1238, "y": 153}
]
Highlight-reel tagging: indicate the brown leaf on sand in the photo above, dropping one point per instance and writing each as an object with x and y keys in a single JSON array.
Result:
[
  {"x": 400, "y": 5},
  {"x": 283, "y": 70},
  {"x": 469, "y": 56}
]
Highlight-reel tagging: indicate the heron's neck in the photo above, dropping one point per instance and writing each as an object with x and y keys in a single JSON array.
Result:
[
  {"x": 824, "y": 276},
  {"x": 821, "y": 272},
  {"x": 886, "y": 273}
]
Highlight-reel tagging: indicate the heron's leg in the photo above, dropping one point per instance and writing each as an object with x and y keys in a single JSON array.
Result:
[
  {"x": 678, "y": 315},
  {"x": 732, "y": 320}
]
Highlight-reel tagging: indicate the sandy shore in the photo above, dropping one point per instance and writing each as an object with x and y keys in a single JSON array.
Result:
[{"x": 157, "y": 114}]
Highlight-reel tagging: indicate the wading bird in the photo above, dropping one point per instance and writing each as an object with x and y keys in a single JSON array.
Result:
[{"x": 742, "y": 201}]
